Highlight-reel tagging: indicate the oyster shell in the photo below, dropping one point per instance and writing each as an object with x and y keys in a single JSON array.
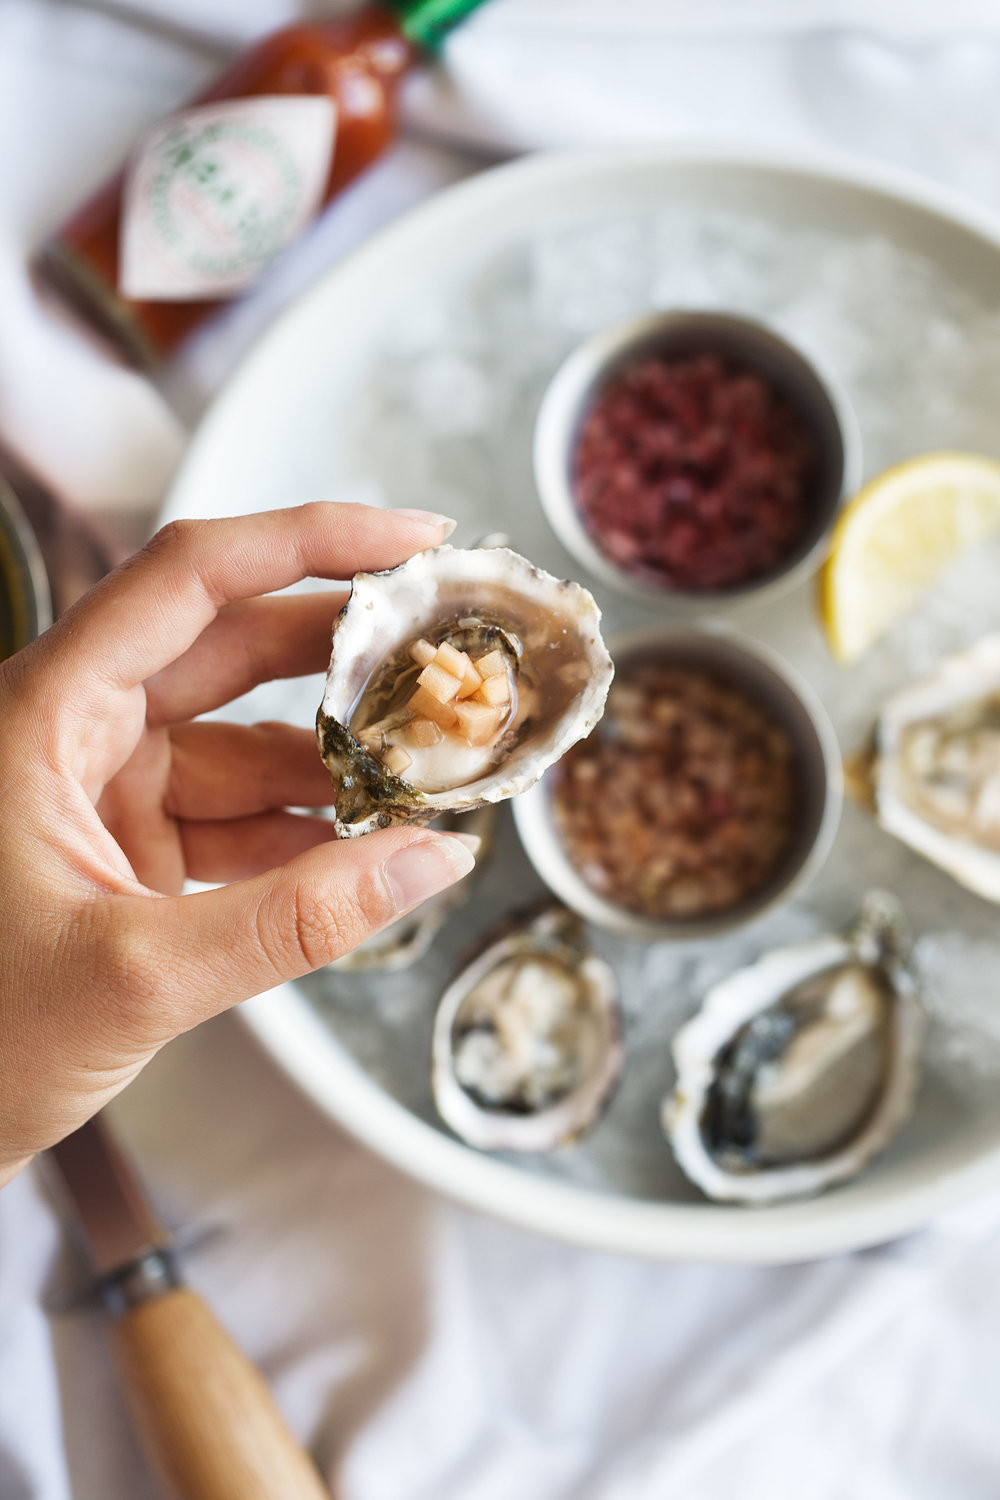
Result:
[
  {"x": 528, "y": 1043},
  {"x": 401, "y": 746},
  {"x": 798, "y": 1070},
  {"x": 932, "y": 775}
]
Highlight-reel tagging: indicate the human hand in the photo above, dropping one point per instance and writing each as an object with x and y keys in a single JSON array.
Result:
[{"x": 110, "y": 796}]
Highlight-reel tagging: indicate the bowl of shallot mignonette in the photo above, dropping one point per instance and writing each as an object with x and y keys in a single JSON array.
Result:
[
  {"x": 694, "y": 459},
  {"x": 709, "y": 793}
]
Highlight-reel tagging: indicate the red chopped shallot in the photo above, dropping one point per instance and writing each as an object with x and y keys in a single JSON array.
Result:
[{"x": 692, "y": 472}]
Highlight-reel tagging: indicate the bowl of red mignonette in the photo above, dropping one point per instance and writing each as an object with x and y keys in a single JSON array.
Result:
[{"x": 694, "y": 459}]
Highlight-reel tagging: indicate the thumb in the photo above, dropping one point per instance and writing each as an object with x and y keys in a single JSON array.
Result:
[{"x": 222, "y": 946}]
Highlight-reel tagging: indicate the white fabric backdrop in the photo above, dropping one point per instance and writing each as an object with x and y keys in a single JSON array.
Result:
[{"x": 421, "y": 1350}]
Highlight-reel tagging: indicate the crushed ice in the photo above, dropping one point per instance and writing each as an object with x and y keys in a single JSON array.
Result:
[{"x": 443, "y": 418}]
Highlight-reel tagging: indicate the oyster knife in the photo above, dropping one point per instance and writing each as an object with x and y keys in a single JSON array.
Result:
[{"x": 203, "y": 1412}]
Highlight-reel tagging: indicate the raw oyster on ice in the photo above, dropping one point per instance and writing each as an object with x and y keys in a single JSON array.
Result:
[
  {"x": 932, "y": 774},
  {"x": 456, "y": 679},
  {"x": 798, "y": 1070},
  {"x": 528, "y": 1043}
]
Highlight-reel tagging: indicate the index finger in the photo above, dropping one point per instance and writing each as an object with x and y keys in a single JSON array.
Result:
[{"x": 150, "y": 610}]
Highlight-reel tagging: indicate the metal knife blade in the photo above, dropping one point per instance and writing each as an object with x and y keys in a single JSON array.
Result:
[{"x": 104, "y": 1200}]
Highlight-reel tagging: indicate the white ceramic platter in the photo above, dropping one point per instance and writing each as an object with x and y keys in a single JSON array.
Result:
[{"x": 409, "y": 376}]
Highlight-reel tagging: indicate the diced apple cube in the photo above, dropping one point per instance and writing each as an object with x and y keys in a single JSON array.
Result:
[
  {"x": 471, "y": 682},
  {"x": 477, "y": 722},
  {"x": 396, "y": 760},
  {"x": 425, "y": 706},
  {"x": 440, "y": 684},
  {"x": 449, "y": 659},
  {"x": 371, "y": 739},
  {"x": 493, "y": 664},
  {"x": 495, "y": 691},
  {"x": 425, "y": 732},
  {"x": 423, "y": 652}
]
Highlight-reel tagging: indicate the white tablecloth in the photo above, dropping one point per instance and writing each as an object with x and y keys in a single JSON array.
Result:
[{"x": 419, "y": 1349}]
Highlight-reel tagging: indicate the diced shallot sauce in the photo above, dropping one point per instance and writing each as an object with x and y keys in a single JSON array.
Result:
[
  {"x": 694, "y": 473},
  {"x": 457, "y": 704},
  {"x": 684, "y": 800}
]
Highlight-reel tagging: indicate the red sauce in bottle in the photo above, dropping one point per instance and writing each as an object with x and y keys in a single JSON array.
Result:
[{"x": 357, "y": 62}]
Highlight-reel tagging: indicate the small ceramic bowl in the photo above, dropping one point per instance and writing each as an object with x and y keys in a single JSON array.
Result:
[
  {"x": 764, "y": 678},
  {"x": 824, "y": 411}
]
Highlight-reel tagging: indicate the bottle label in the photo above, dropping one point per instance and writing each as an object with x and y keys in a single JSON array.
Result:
[{"x": 213, "y": 194}]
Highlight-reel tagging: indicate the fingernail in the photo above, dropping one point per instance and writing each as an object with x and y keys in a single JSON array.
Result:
[
  {"x": 421, "y": 870},
  {"x": 472, "y": 841},
  {"x": 430, "y": 518}
]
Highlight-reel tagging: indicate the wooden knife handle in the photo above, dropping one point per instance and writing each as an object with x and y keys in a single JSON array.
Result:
[{"x": 205, "y": 1416}]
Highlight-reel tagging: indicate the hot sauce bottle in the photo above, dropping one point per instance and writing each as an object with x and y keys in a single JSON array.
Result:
[{"x": 211, "y": 195}]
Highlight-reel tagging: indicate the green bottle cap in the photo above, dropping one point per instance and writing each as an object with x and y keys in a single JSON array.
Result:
[{"x": 427, "y": 22}]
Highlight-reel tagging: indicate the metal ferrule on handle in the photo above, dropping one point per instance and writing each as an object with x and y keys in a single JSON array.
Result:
[{"x": 149, "y": 1275}]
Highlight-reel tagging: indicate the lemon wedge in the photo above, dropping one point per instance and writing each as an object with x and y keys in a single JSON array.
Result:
[{"x": 896, "y": 536}]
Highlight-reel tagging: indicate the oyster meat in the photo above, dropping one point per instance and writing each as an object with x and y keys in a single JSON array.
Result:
[
  {"x": 456, "y": 679},
  {"x": 798, "y": 1070},
  {"x": 528, "y": 1042},
  {"x": 933, "y": 772}
]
